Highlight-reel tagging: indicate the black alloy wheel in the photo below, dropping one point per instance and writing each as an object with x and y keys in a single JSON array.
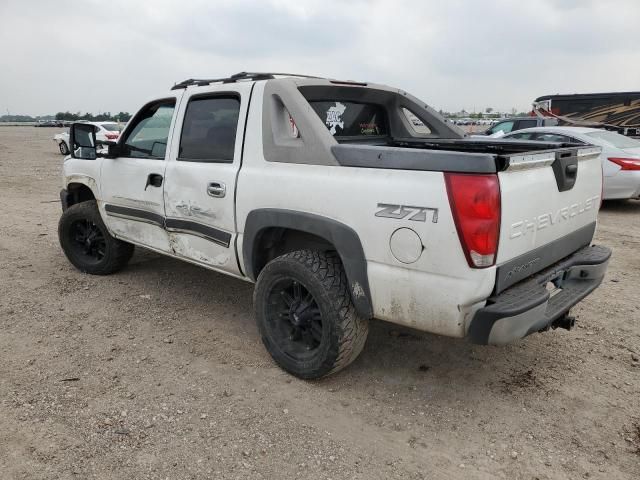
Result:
[
  {"x": 294, "y": 319},
  {"x": 305, "y": 314},
  {"x": 88, "y": 240}
]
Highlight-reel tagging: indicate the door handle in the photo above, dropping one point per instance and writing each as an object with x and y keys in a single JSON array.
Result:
[
  {"x": 154, "y": 179},
  {"x": 216, "y": 189}
]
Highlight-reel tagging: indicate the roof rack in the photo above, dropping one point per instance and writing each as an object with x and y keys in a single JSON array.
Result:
[{"x": 234, "y": 78}]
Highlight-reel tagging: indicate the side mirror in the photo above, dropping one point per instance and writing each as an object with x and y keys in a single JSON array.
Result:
[
  {"x": 82, "y": 137},
  {"x": 112, "y": 149}
]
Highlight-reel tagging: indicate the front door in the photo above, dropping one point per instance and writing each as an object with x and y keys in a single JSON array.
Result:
[
  {"x": 133, "y": 184},
  {"x": 201, "y": 175}
]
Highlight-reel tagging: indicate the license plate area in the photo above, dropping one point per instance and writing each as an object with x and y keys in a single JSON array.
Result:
[{"x": 554, "y": 284}]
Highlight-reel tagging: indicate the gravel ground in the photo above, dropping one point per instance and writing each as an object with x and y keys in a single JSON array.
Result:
[{"x": 158, "y": 372}]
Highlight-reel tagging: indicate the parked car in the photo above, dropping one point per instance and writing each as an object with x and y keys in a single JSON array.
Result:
[
  {"x": 518, "y": 123},
  {"x": 48, "y": 123},
  {"x": 324, "y": 194},
  {"x": 620, "y": 155},
  {"x": 104, "y": 131}
]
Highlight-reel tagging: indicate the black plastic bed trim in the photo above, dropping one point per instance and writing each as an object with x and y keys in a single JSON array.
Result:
[
  {"x": 342, "y": 237},
  {"x": 397, "y": 158}
]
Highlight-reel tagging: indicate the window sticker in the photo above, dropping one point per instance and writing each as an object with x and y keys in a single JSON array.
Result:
[
  {"x": 346, "y": 118},
  {"x": 369, "y": 129},
  {"x": 334, "y": 117}
]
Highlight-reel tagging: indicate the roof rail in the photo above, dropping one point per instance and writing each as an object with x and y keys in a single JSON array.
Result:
[{"x": 234, "y": 78}]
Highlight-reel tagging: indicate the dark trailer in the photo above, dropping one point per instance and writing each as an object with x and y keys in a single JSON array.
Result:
[{"x": 619, "y": 111}]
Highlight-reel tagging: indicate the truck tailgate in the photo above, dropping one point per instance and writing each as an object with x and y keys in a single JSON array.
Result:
[{"x": 550, "y": 203}]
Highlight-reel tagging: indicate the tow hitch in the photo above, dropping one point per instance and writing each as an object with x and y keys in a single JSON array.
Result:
[{"x": 566, "y": 321}]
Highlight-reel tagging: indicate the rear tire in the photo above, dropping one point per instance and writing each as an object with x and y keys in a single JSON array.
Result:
[
  {"x": 64, "y": 149},
  {"x": 86, "y": 241},
  {"x": 305, "y": 314}
]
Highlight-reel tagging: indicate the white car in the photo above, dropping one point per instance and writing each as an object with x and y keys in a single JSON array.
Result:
[
  {"x": 104, "y": 131},
  {"x": 620, "y": 155}
]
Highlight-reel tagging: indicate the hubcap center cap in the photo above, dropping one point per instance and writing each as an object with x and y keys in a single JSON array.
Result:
[{"x": 297, "y": 315}]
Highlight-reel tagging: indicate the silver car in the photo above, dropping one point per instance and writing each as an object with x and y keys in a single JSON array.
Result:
[{"x": 620, "y": 155}]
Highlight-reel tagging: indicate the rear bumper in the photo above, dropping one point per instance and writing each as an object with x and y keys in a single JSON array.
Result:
[{"x": 528, "y": 306}]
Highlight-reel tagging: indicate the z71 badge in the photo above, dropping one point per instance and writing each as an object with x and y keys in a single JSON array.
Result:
[{"x": 418, "y": 214}]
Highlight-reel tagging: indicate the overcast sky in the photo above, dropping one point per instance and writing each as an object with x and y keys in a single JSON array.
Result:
[{"x": 112, "y": 55}]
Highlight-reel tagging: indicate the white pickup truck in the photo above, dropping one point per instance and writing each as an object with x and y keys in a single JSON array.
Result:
[{"x": 343, "y": 201}]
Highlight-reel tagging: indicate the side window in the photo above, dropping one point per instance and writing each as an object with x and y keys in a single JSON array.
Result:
[
  {"x": 552, "y": 137},
  {"x": 417, "y": 125},
  {"x": 504, "y": 127},
  {"x": 209, "y": 129},
  {"x": 522, "y": 136},
  {"x": 148, "y": 136},
  {"x": 522, "y": 124}
]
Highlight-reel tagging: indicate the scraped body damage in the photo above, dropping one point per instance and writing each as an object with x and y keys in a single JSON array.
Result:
[
  {"x": 197, "y": 249},
  {"x": 87, "y": 180},
  {"x": 136, "y": 203},
  {"x": 140, "y": 233}
]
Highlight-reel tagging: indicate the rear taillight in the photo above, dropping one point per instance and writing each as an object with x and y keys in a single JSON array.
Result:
[
  {"x": 475, "y": 203},
  {"x": 626, "y": 163},
  {"x": 111, "y": 136}
]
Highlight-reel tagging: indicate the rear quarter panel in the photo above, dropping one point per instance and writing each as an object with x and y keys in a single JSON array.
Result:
[{"x": 437, "y": 292}]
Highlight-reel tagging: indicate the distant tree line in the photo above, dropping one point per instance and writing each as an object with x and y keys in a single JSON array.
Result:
[
  {"x": 24, "y": 118},
  {"x": 101, "y": 117}
]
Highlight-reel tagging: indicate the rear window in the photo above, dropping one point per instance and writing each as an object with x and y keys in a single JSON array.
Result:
[
  {"x": 615, "y": 139},
  {"x": 352, "y": 119},
  {"x": 112, "y": 127}
]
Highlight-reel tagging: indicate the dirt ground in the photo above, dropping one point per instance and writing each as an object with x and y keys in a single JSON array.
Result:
[{"x": 158, "y": 372}]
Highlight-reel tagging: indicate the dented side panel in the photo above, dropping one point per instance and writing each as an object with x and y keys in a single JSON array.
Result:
[{"x": 201, "y": 226}]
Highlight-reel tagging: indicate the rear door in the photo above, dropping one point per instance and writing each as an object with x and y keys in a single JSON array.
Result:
[
  {"x": 132, "y": 185},
  {"x": 201, "y": 175}
]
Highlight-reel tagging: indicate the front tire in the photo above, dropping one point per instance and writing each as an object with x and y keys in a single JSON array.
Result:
[
  {"x": 305, "y": 314},
  {"x": 86, "y": 242},
  {"x": 64, "y": 149}
]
